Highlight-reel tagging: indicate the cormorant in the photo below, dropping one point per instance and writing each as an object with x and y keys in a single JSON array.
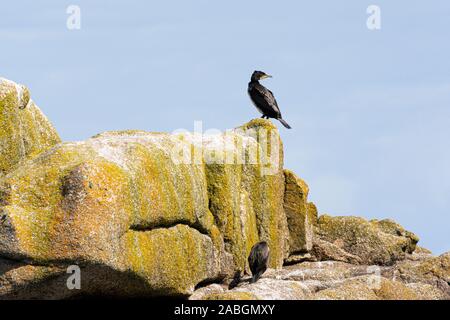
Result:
[
  {"x": 263, "y": 98},
  {"x": 257, "y": 260}
]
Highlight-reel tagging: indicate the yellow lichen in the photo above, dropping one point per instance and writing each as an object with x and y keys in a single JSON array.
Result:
[
  {"x": 231, "y": 295},
  {"x": 24, "y": 133}
]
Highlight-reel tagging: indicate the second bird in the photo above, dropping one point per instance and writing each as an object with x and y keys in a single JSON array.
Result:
[{"x": 263, "y": 98}]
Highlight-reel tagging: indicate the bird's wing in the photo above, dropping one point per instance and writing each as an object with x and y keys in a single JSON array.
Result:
[
  {"x": 264, "y": 97},
  {"x": 275, "y": 104}
]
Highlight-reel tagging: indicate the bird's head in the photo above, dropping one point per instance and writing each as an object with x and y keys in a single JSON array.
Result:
[{"x": 259, "y": 75}]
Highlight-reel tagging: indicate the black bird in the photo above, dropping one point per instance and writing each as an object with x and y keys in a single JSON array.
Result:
[
  {"x": 263, "y": 98},
  {"x": 257, "y": 260}
]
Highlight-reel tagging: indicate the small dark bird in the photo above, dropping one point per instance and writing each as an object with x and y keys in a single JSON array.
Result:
[
  {"x": 257, "y": 260},
  {"x": 263, "y": 98}
]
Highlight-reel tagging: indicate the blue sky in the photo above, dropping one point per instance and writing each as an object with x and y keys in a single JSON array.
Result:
[{"x": 370, "y": 110}]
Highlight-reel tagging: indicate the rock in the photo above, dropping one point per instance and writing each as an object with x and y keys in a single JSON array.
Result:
[
  {"x": 324, "y": 250},
  {"x": 391, "y": 227},
  {"x": 272, "y": 289},
  {"x": 427, "y": 291},
  {"x": 300, "y": 221},
  {"x": 263, "y": 289},
  {"x": 20, "y": 281},
  {"x": 154, "y": 214},
  {"x": 323, "y": 281},
  {"x": 127, "y": 208},
  {"x": 391, "y": 290},
  {"x": 350, "y": 290},
  {"x": 430, "y": 270},
  {"x": 318, "y": 276},
  {"x": 232, "y": 295},
  {"x": 313, "y": 214},
  {"x": 374, "y": 242},
  {"x": 368, "y": 288},
  {"x": 208, "y": 290},
  {"x": 24, "y": 130},
  {"x": 297, "y": 258},
  {"x": 423, "y": 251},
  {"x": 247, "y": 199},
  {"x": 418, "y": 255}
]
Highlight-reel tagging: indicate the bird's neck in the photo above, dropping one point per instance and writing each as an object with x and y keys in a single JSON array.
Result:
[{"x": 254, "y": 81}]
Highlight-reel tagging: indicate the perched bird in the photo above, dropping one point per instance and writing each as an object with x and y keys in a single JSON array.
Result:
[
  {"x": 257, "y": 260},
  {"x": 263, "y": 98}
]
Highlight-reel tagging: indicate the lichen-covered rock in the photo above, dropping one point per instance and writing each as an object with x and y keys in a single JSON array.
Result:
[
  {"x": 114, "y": 201},
  {"x": 368, "y": 288},
  {"x": 349, "y": 290},
  {"x": 430, "y": 270},
  {"x": 427, "y": 291},
  {"x": 245, "y": 181},
  {"x": 272, "y": 289},
  {"x": 244, "y": 199},
  {"x": 24, "y": 130},
  {"x": 422, "y": 251},
  {"x": 320, "y": 275},
  {"x": 20, "y": 281},
  {"x": 211, "y": 289},
  {"x": 231, "y": 295},
  {"x": 299, "y": 213},
  {"x": 154, "y": 214},
  {"x": 391, "y": 227},
  {"x": 328, "y": 280},
  {"x": 265, "y": 289},
  {"x": 373, "y": 287},
  {"x": 262, "y": 191},
  {"x": 312, "y": 214},
  {"x": 135, "y": 205},
  {"x": 392, "y": 290},
  {"x": 374, "y": 242},
  {"x": 324, "y": 251}
]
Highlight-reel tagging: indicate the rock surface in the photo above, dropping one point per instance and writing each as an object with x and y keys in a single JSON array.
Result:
[
  {"x": 24, "y": 130},
  {"x": 154, "y": 214},
  {"x": 333, "y": 280},
  {"x": 374, "y": 242},
  {"x": 299, "y": 213},
  {"x": 129, "y": 204}
]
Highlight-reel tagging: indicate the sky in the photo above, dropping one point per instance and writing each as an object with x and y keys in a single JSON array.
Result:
[{"x": 370, "y": 109}]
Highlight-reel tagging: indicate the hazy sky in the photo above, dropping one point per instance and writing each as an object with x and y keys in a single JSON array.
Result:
[{"x": 370, "y": 110}]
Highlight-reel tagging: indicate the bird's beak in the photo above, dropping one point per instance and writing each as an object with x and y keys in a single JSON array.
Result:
[{"x": 266, "y": 76}]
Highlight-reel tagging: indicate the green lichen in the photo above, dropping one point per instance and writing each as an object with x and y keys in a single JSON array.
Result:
[
  {"x": 364, "y": 239},
  {"x": 391, "y": 227},
  {"x": 120, "y": 200},
  {"x": 313, "y": 214},
  {"x": 297, "y": 209},
  {"x": 246, "y": 198},
  {"x": 24, "y": 133},
  {"x": 38, "y": 212},
  {"x": 172, "y": 260}
]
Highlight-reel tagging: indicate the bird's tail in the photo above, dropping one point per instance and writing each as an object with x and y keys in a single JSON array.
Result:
[
  {"x": 256, "y": 276},
  {"x": 236, "y": 280},
  {"x": 284, "y": 123}
]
